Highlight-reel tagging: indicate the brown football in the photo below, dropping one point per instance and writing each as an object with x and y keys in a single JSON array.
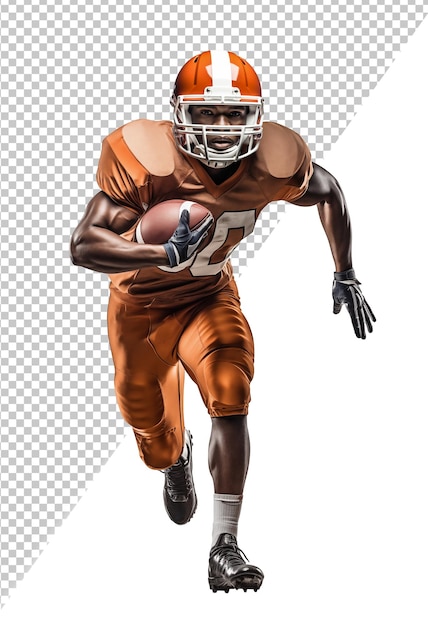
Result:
[{"x": 159, "y": 222}]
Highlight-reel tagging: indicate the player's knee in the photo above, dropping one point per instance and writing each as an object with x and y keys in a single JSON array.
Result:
[
  {"x": 229, "y": 386},
  {"x": 160, "y": 451},
  {"x": 142, "y": 406}
]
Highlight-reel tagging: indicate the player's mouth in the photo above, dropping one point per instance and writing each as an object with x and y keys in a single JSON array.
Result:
[{"x": 221, "y": 143}]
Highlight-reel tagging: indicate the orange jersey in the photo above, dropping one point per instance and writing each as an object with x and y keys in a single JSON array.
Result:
[{"x": 141, "y": 166}]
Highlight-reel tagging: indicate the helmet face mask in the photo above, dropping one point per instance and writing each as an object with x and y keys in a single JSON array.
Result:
[{"x": 217, "y": 79}]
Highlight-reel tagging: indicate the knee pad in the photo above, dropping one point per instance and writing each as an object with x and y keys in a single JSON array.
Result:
[{"x": 228, "y": 382}]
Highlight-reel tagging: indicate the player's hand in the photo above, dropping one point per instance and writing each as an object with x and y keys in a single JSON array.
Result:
[
  {"x": 346, "y": 291},
  {"x": 184, "y": 243}
]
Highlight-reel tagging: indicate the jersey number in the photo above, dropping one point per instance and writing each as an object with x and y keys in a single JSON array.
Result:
[{"x": 201, "y": 264}]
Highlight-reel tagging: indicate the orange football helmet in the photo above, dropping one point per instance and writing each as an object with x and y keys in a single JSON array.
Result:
[{"x": 217, "y": 78}]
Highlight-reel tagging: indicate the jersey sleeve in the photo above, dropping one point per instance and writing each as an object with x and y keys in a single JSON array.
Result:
[
  {"x": 126, "y": 182},
  {"x": 298, "y": 183},
  {"x": 286, "y": 157}
]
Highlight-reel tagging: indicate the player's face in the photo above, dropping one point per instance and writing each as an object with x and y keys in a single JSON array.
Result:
[{"x": 221, "y": 115}]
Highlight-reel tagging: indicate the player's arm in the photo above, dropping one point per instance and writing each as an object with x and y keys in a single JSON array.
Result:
[
  {"x": 96, "y": 242},
  {"x": 326, "y": 193}
]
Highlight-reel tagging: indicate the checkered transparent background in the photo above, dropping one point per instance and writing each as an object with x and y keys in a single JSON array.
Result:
[{"x": 70, "y": 74}]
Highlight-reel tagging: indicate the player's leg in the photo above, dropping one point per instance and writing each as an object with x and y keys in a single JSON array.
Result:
[
  {"x": 149, "y": 391},
  {"x": 229, "y": 453},
  {"x": 217, "y": 352}
]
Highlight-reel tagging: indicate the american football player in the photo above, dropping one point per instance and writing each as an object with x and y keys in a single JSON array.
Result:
[{"x": 174, "y": 308}]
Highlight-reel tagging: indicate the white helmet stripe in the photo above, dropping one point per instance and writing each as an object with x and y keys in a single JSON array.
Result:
[{"x": 221, "y": 69}]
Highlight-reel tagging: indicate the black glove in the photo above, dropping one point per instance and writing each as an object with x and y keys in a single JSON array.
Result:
[
  {"x": 184, "y": 243},
  {"x": 346, "y": 291}
]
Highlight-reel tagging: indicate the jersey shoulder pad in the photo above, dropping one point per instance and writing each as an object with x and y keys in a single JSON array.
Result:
[
  {"x": 130, "y": 155},
  {"x": 152, "y": 144},
  {"x": 282, "y": 151}
]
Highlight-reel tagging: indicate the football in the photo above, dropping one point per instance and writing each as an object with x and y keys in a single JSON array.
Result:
[{"x": 159, "y": 222}]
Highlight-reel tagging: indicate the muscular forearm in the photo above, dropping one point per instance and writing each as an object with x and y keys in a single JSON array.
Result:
[
  {"x": 337, "y": 226},
  {"x": 102, "y": 250}
]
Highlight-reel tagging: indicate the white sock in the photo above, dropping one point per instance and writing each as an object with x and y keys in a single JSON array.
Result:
[{"x": 227, "y": 509}]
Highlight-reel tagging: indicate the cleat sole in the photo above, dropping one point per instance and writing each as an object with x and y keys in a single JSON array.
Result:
[{"x": 218, "y": 584}]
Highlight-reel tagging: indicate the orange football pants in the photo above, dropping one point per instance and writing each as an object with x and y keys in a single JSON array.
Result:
[{"x": 152, "y": 347}]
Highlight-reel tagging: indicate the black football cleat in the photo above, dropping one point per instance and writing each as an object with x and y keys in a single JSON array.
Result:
[
  {"x": 179, "y": 494},
  {"x": 227, "y": 568}
]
